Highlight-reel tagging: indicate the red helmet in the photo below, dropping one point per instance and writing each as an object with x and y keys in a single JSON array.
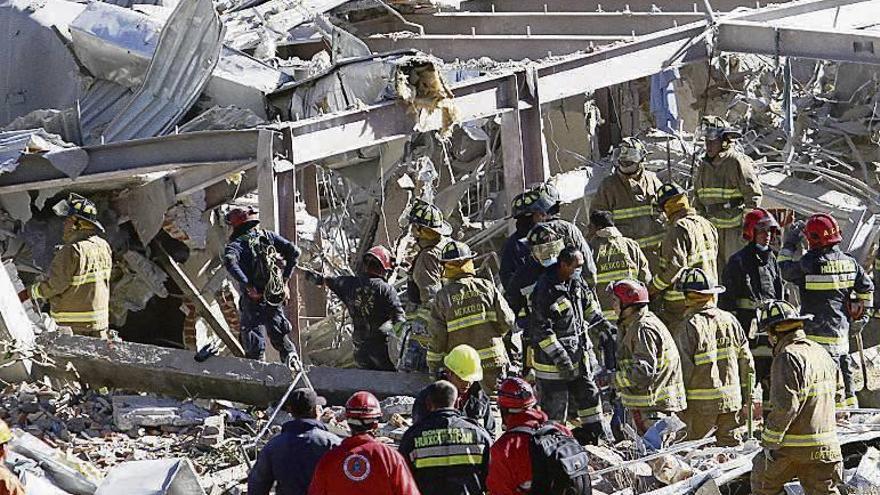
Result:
[
  {"x": 240, "y": 216},
  {"x": 629, "y": 292},
  {"x": 515, "y": 394},
  {"x": 362, "y": 408},
  {"x": 758, "y": 220},
  {"x": 822, "y": 230},
  {"x": 381, "y": 254}
]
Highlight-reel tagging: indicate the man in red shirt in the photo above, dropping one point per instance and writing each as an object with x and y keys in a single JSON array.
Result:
[
  {"x": 510, "y": 464},
  {"x": 361, "y": 464}
]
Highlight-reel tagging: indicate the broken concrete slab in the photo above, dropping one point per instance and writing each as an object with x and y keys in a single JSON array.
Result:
[
  {"x": 132, "y": 411},
  {"x": 159, "y": 477},
  {"x": 16, "y": 330},
  {"x": 174, "y": 372}
]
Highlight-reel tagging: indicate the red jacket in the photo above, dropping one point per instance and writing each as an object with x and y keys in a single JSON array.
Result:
[
  {"x": 510, "y": 465},
  {"x": 363, "y": 466}
]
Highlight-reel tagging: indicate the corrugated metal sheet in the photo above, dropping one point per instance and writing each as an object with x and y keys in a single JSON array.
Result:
[
  {"x": 276, "y": 18},
  {"x": 188, "y": 51},
  {"x": 103, "y": 101},
  {"x": 13, "y": 144}
]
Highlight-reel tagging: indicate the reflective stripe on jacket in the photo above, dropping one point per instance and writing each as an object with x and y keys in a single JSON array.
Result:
[
  {"x": 690, "y": 242},
  {"x": 803, "y": 385},
  {"x": 827, "y": 278},
  {"x": 78, "y": 283},
  {"x": 425, "y": 274},
  {"x": 469, "y": 310},
  {"x": 617, "y": 257},
  {"x": 750, "y": 276},
  {"x": 725, "y": 186},
  {"x": 448, "y": 454},
  {"x": 649, "y": 368},
  {"x": 715, "y": 360},
  {"x": 632, "y": 202}
]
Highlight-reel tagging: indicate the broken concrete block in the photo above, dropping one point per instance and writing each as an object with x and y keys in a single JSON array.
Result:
[
  {"x": 67, "y": 472},
  {"x": 130, "y": 411},
  {"x": 160, "y": 477},
  {"x": 398, "y": 404},
  {"x": 213, "y": 430}
]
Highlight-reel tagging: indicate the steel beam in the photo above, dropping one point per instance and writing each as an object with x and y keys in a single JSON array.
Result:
[
  {"x": 828, "y": 13},
  {"x": 497, "y": 47},
  {"x": 784, "y": 41},
  {"x": 604, "y": 5},
  {"x": 534, "y": 23}
]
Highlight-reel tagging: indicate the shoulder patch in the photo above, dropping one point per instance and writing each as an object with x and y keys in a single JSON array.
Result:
[{"x": 356, "y": 467}]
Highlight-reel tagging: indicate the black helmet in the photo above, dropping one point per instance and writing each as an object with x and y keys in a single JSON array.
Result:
[
  {"x": 546, "y": 201},
  {"x": 456, "y": 251},
  {"x": 522, "y": 202},
  {"x": 696, "y": 280},
  {"x": 668, "y": 191},
  {"x": 773, "y": 313},
  {"x": 713, "y": 127},
  {"x": 427, "y": 215},
  {"x": 79, "y": 207}
]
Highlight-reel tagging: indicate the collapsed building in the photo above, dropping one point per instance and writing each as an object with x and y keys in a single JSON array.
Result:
[{"x": 331, "y": 116}]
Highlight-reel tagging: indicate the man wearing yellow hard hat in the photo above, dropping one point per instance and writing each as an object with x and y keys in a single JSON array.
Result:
[
  {"x": 9, "y": 484},
  {"x": 463, "y": 368}
]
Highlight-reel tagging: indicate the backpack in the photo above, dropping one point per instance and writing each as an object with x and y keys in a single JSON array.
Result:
[
  {"x": 560, "y": 465},
  {"x": 267, "y": 269}
]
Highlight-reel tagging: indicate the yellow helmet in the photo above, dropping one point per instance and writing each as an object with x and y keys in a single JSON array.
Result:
[
  {"x": 464, "y": 362},
  {"x": 5, "y": 433}
]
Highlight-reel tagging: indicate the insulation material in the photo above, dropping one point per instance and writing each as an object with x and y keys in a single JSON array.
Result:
[{"x": 420, "y": 84}]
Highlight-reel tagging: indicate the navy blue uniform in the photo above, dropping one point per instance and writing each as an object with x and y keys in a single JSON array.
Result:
[
  {"x": 288, "y": 461},
  {"x": 514, "y": 254},
  {"x": 373, "y": 305},
  {"x": 257, "y": 317},
  {"x": 473, "y": 404},
  {"x": 448, "y": 454}
]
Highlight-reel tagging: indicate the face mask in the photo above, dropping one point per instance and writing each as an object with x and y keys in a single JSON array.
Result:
[
  {"x": 577, "y": 272},
  {"x": 761, "y": 247},
  {"x": 548, "y": 262}
]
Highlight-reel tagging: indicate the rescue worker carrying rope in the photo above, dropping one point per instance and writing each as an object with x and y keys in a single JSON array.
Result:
[
  {"x": 716, "y": 363},
  {"x": 630, "y": 193},
  {"x": 833, "y": 288},
  {"x": 725, "y": 185},
  {"x": 800, "y": 432},
  {"x": 77, "y": 285},
  {"x": 469, "y": 310},
  {"x": 690, "y": 242}
]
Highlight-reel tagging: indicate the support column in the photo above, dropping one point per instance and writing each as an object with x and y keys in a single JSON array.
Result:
[
  {"x": 287, "y": 228},
  {"x": 536, "y": 164},
  {"x": 314, "y": 297}
]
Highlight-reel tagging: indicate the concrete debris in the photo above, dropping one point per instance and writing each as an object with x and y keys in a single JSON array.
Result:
[
  {"x": 221, "y": 118},
  {"x": 155, "y": 477},
  {"x": 271, "y": 21},
  {"x": 134, "y": 411},
  {"x": 15, "y": 143},
  {"x": 185, "y": 221},
  {"x": 64, "y": 123}
]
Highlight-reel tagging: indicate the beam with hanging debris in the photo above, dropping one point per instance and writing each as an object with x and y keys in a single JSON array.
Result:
[{"x": 604, "y": 5}]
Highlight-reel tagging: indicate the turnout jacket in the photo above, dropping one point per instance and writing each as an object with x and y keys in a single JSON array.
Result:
[
  {"x": 827, "y": 278},
  {"x": 474, "y": 404},
  {"x": 572, "y": 236},
  {"x": 425, "y": 274},
  {"x": 469, "y": 310},
  {"x": 649, "y": 373},
  {"x": 78, "y": 283},
  {"x": 726, "y": 185},
  {"x": 371, "y": 302},
  {"x": 803, "y": 389},
  {"x": 617, "y": 257},
  {"x": 751, "y": 276},
  {"x": 632, "y": 200},
  {"x": 715, "y": 361},
  {"x": 447, "y": 453},
  {"x": 690, "y": 242}
]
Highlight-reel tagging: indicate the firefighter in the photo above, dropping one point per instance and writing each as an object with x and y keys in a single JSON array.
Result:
[
  {"x": 77, "y": 286},
  {"x": 429, "y": 229},
  {"x": 545, "y": 209},
  {"x": 630, "y": 194},
  {"x": 373, "y": 305},
  {"x": 690, "y": 241},
  {"x": 751, "y": 277},
  {"x": 463, "y": 368},
  {"x": 649, "y": 379},
  {"x": 469, "y": 310},
  {"x": 617, "y": 257},
  {"x": 447, "y": 453},
  {"x": 252, "y": 259},
  {"x": 725, "y": 185},
  {"x": 510, "y": 458},
  {"x": 361, "y": 464},
  {"x": 515, "y": 252},
  {"x": 9, "y": 483},
  {"x": 715, "y": 362},
  {"x": 833, "y": 288},
  {"x": 800, "y": 432},
  {"x": 562, "y": 307}
]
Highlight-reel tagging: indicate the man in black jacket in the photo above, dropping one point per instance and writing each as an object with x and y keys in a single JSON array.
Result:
[
  {"x": 254, "y": 259},
  {"x": 288, "y": 461},
  {"x": 447, "y": 453},
  {"x": 373, "y": 305}
]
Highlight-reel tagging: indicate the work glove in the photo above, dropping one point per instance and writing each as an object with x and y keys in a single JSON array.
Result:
[
  {"x": 589, "y": 433},
  {"x": 793, "y": 235}
]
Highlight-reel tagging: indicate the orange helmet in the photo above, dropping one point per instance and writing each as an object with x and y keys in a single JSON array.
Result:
[
  {"x": 758, "y": 220},
  {"x": 382, "y": 254},
  {"x": 822, "y": 230},
  {"x": 363, "y": 408},
  {"x": 515, "y": 394}
]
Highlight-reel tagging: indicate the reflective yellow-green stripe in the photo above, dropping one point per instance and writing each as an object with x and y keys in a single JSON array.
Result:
[
  {"x": 727, "y": 223},
  {"x": 434, "y": 356},
  {"x": 808, "y": 440},
  {"x": 496, "y": 350},
  {"x": 746, "y": 304},
  {"x": 865, "y": 296},
  {"x": 561, "y": 306},
  {"x": 633, "y": 212},
  {"x": 449, "y": 460},
  {"x": 718, "y": 193},
  {"x": 96, "y": 316},
  {"x": 614, "y": 276},
  {"x": 650, "y": 241},
  {"x": 469, "y": 321},
  {"x": 35, "y": 292},
  {"x": 711, "y": 393},
  {"x": 89, "y": 278},
  {"x": 829, "y": 340},
  {"x": 592, "y": 411},
  {"x": 673, "y": 295},
  {"x": 715, "y": 355},
  {"x": 644, "y": 400}
]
